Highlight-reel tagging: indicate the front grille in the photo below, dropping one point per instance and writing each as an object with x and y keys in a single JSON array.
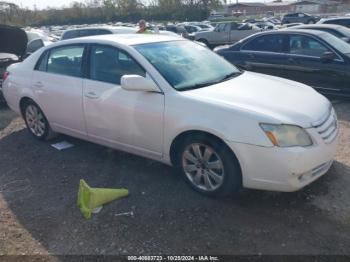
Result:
[{"x": 327, "y": 126}]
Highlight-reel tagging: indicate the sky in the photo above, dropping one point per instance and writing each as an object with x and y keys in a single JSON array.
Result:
[{"x": 41, "y": 4}]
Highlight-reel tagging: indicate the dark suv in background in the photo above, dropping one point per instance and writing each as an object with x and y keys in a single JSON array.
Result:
[{"x": 299, "y": 18}]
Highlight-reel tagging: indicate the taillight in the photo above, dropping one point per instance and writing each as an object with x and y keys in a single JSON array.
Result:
[{"x": 5, "y": 75}]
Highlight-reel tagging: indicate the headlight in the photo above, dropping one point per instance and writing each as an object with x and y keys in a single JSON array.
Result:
[{"x": 287, "y": 135}]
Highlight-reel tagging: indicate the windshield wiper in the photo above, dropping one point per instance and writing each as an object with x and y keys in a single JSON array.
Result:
[
  {"x": 196, "y": 86},
  {"x": 229, "y": 76}
]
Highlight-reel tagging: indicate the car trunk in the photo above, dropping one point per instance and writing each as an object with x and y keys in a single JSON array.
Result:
[{"x": 12, "y": 47}]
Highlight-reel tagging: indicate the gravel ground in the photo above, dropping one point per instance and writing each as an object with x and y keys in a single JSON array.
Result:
[{"x": 39, "y": 215}]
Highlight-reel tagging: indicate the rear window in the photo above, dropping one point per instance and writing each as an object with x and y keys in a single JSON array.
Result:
[{"x": 70, "y": 34}]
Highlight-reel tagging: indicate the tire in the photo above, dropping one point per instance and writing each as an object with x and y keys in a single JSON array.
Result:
[
  {"x": 216, "y": 175},
  {"x": 311, "y": 22},
  {"x": 36, "y": 121}
]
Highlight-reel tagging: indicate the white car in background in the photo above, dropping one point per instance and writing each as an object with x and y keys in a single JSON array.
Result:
[
  {"x": 98, "y": 30},
  {"x": 177, "y": 102}
]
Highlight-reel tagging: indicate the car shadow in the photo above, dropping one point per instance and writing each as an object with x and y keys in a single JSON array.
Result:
[{"x": 40, "y": 188}]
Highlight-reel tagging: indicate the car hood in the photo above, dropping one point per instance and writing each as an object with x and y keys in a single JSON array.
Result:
[
  {"x": 13, "y": 40},
  {"x": 277, "y": 99}
]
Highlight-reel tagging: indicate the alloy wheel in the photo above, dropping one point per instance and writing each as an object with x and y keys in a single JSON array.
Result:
[
  {"x": 203, "y": 167},
  {"x": 35, "y": 120}
]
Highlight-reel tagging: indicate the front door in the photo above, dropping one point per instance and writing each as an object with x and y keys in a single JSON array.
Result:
[
  {"x": 130, "y": 120},
  {"x": 304, "y": 64}
]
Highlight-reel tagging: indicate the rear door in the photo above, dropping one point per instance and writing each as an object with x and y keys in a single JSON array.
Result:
[
  {"x": 58, "y": 86},
  {"x": 264, "y": 54},
  {"x": 132, "y": 121},
  {"x": 304, "y": 64}
]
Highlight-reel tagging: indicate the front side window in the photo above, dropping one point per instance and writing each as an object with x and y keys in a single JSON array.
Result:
[
  {"x": 304, "y": 45},
  {"x": 66, "y": 61},
  {"x": 109, "y": 64},
  {"x": 187, "y": 65},
  {"x": 265, "y": 43}
]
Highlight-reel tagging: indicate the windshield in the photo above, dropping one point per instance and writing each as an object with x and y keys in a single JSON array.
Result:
[
  {"x": 345, "y": 31},
  {"x": 187, "y": 65},
  {"x": 340, "y": 45}
]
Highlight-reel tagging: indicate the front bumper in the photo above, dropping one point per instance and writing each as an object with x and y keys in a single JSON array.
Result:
[{"x": 284, "y": 169}]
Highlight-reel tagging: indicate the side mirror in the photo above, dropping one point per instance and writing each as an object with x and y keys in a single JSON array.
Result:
[
  {"x": 138, "y": 83},
  {"x": 327, "y": 57}
]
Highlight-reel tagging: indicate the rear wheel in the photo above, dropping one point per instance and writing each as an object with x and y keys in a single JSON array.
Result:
[
  {"x": 209, "y": 166},
  {"x": 36, "y": 121}
]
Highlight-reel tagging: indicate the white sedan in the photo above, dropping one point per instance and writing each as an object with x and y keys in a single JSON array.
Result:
[{"x": 177, "y": 102}]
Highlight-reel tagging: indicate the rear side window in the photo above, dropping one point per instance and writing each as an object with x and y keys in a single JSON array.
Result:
[
  {"x": 266, "y": 43},
  {"x": 66, "y": 61},
  {"x": 109, "y": 64},
  {"x": 42, "y": 63}
]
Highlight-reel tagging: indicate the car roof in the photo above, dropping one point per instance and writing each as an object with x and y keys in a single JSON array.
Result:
[
  {"x": 330, "y": 26},
  {"x": 112, "y": 28},
  {"x": 297, "y": 31},
  {"x": 336, "y": 18},
  {"x": 125, "y": 39}
]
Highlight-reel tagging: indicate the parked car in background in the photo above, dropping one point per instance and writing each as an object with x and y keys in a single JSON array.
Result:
[
  {"x": 300, "y": 18},
  {"x": 192, "y": 29},
  {"x": 339, "y": 31},
  {"x": 178, "y": 29},
  {"x": 204, "y": 26},
  {"x": 130, "y": 93},
  {"x": 264, "y": 25},
  {"x": 312, "y": 57},
  {"x": 225, "y": 33},
  {"x": 12, "y": 49},
  {"x": 90, "y": 31},
  {"x": 289, "y": 25},
  {"x": 344, "y": 21}
]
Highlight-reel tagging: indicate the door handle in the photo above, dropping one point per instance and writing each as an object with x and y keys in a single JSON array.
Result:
[
  {"x": 38, "y": 85},
  {"x": 91, "y": 95}
]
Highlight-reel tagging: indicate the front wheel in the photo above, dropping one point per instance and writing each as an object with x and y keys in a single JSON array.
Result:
[
  {"x": 209, "y": 167},
  {"x": 36, "y": 121}
]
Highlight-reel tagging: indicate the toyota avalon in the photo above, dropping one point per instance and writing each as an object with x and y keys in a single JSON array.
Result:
[{"x": 175, "y": 101}]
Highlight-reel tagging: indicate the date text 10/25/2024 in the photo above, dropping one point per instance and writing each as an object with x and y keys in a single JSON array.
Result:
[{"x": 173, "y": 258}]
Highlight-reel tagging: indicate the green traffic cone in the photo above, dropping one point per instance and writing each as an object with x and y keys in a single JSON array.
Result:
[{"x": 91, "y": 198}]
